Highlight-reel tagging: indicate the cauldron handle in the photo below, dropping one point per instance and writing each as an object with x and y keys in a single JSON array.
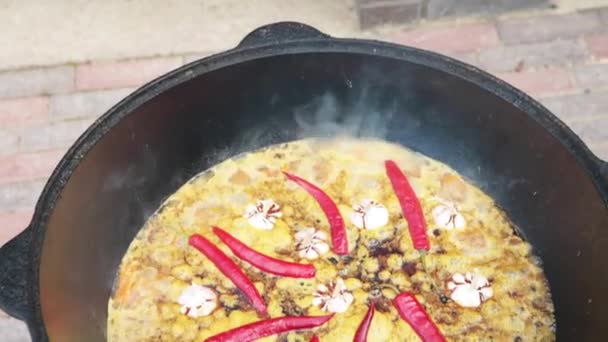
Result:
[
  {"x": 15, "y": 274},
  {"x": 604, "y": 171},
  {"x": 281, "y": 32}
]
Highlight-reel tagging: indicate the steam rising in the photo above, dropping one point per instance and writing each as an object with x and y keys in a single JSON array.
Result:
[{"x": 326, "y": 117}]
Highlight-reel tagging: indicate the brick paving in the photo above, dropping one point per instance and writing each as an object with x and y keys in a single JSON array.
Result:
[
  {"x": 533, "y": 56},
  {"x": 123, "y": 73},
  {"x": 461, "y": 38},
  {"x": 598, "y": 44},
  {"x": 13, "y": 330},
  {"x": 39, "y": 81},
  {"x": 561, "y": 59},
  {"x": 546, "y": 28}
]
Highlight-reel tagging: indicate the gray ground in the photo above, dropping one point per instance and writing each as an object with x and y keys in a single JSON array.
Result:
[{"x": 43, "y": 32}]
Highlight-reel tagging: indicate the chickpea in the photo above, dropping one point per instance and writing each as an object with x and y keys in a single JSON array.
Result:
[
  {"x": 353, "y": 284},
  {"x": 394, "y": 262},
  {"x": 183, "y": 272},
  {"x": 371, "y": 265},
  {"x": 384, "y": 275}
]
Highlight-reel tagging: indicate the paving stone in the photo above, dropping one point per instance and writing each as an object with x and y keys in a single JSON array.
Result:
[
  {"x": 29, "y": 166},
  {"x": 579, "y": 107},
  {"x": 54, "y": 135},
  {"x": 541, "y": 83},
  {"x": 444, "y": 8},
  {"x": 600, "y": 150},
  {"x": 598, "y": 45},
  {"x": 373, "y": 13},
  {"x": 40, "y": 81},
  {"x": 20, "y": 196},
  {"x": 459, "y": 38},
  {"x": 85, "y": 104},
  {"x": 592, "y": 76},
  {"x": 591, "y": 130},
  {"x": 548, "y": 27},
  {"x": 11, "y": 224},
  {"x": 533, "y": 56},
  {"x": 23, "y": 110},
  {"x": 13, "y": 330},
  {"x": 604, "y": 14},
  {"x": 9, "y": 140},
  {"x": 121, "y": 74}
]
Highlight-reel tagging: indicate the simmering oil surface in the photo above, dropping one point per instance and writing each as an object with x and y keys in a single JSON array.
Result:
[{"x": 478, "y": 282}]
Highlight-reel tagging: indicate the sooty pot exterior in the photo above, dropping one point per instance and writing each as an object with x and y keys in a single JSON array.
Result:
[{"x": 284, "y": 82}]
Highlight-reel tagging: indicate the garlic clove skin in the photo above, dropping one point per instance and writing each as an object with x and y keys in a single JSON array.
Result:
[
  {"x": 466, "y": 296},
  {"x": 333, "y": 298},
  {"x": 305, "y": 234},
  {"x": 312, "y": 253},
  {"x": 448, "y": 217},
  {"x": 369, "y": 214},
  {"x": 340, "y": 304},
  {"x": 317, "y": 301},
  {"x": 263, "y": 214},
  {"x": 197, "y": 301},
  {"x": 458, "y": 278},
  {"x": 459, "y": 222},
  {"x": 319, "y": 249},
  {"x": 469, "y": 290},
  {"x": 486, "y": 293},
  {"x": 311, "y": 244},
  {"x": 260, "y": 222}
]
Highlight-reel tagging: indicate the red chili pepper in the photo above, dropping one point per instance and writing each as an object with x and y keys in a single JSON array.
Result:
[
  {"x": 361, "y": 334},
  {"x": 264, "y": 262},
  {"x": 336, "y": 223},
  {"x": 414, "y": 314},
  {"x": 231, "y": 270},
  {"x": 314, "y": 339},
  {"x": 273, "y": 326},
  {"x": 410, "y": 205}
]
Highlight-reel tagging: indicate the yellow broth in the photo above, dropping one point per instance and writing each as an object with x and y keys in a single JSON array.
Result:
[{"x": 160, "y": 264}]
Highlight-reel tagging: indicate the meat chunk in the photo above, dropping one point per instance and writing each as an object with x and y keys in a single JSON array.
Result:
[{"x": 452, "y": 188}]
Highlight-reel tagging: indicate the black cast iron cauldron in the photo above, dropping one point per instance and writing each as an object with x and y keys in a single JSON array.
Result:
[{"x": 286, "y": 81}]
